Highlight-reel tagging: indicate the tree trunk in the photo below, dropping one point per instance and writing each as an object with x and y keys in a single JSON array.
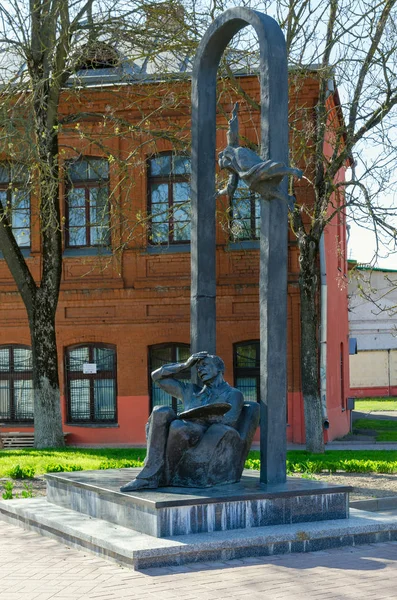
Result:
[
  {"x": 308, "y": 280},
  {"x": 47, "y": 409}
]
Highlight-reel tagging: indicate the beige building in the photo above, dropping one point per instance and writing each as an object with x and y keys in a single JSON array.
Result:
[{"x": 373, "y": 324}]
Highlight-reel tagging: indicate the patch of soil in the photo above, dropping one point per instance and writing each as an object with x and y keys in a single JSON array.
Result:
[
  {"x": 37, "y": 486},
  {"x": 365, "y": 485}
]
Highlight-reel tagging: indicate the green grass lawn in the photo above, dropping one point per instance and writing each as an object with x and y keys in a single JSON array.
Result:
[
  {"x": 70, "y": 459},
  {"x": 381, "y": 404},
  {"x": 386, "y": 429},
  {"x": 27, "y": 463}
]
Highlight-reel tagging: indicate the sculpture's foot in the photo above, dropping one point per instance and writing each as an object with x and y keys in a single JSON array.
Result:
[{"x": 138, "y": 484}]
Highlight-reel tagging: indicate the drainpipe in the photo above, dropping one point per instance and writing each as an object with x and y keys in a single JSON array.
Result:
[
  {"x": 388, "y": 371},
  {"x": 323, "y": 333}
]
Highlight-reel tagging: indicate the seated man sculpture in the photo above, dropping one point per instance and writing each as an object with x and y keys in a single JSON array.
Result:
[{"x": 208, "y": 443}]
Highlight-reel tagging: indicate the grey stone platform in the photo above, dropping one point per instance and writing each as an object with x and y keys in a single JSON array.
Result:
[
  {"x": 142, "y": 551},
  {"x": 168, "y": 512}
]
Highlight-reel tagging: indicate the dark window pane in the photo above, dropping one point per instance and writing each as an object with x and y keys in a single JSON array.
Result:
[
  {"x": 182, "y": 353},
  {"x": 160, "y": 166},
  {"x": 20, "y": 200},
  {"x": 22, "y": 237},
  {"x": 79, "y": 390},
  {"x": 78, "y": 170},
  {"x": 160, "y": 233},
  {"x": 78, "y": 357},
  {"x": 76, "y": 198},
  {"x": 98, "y": 169},
  {"x": 181, "y": 192},
  {"x": 162, "y": 355},
  {"x": 159, "y": 193},
  {"x": 247, "y": 355},
  {"x": 20, "y": 219},
  {"x": 182, "y": 165},
  {"x": 22, "y": 359},
  {"x": 77, "y": 217},
  {"x": 104, "y": 404},
  {"x": 4, "y": 359},
  {"x": 23, "y": 399},
  {"x": 247, "y": 369},
  {"x": 16, "y": 202},
  {"x": 16, "y": 385},
  {"x": 99, "y": 214},
  {"x": 4, "y": 173},
  {"x": 104, "y": 358},
  {"x": 99, "y": 236},
  {"x": 5, "y": 404},
  {"x": 161, "y": 398},
  {"x": 77, "y": 236},
  {"x": 181, "y": 231},
  {"x": 245, "y": 210},
  {"x": 19, "y": 174},
  {"x": 248, "y": 387}
]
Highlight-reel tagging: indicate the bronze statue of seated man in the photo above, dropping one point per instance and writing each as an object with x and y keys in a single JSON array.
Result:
[{"x": 207, "y": 443}]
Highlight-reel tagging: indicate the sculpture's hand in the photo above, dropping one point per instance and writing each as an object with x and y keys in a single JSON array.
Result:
[{"x": 194, "y": 358}]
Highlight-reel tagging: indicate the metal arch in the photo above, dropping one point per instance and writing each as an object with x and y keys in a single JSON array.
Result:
[{"x": 273, "y": 243}]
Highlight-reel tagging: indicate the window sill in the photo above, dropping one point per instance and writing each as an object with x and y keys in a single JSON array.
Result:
[
  {"x": 169, "y": 249},
  {"x": 93, "y": 425},
  {"x": 18, "y": 424},
  {"x": 89, "y": 251},
  {"x": 26, "y": 252},
  {"x": 244, "y": 245}
]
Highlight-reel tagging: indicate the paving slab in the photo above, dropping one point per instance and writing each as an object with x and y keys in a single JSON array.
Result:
[
  {"x": 33, "y": 567},
  {"x": 142, "y": 551}
]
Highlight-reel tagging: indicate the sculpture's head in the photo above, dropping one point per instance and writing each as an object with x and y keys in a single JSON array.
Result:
[
  {"x": 209, "y": 367},
  {"x": 226, "y": 159}
]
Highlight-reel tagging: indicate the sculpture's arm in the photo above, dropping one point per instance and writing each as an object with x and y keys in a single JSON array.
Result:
[
  {"x": 236, "y": 399},
  {"x": 165, "y": 375}
]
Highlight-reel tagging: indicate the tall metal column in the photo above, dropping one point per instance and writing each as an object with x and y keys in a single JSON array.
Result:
[{"x": 274, "y": 223}]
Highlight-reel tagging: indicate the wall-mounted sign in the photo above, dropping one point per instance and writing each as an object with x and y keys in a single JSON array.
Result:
[{"x": 89, "y": 368}]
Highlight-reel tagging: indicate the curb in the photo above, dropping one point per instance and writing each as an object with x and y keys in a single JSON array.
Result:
[{"x": 375, "y": 504}]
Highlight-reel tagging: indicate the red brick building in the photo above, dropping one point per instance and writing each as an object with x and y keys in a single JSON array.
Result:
[{"x": 124, "y": 303}]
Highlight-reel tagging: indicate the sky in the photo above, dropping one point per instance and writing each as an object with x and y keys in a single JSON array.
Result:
[{"x": 361, "y": 247}]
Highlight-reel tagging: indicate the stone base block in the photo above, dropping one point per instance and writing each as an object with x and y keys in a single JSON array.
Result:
[{"x": 168, "y": 512}]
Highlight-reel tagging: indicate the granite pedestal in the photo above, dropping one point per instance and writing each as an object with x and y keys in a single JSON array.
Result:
[{"x": 168, "y": 512}]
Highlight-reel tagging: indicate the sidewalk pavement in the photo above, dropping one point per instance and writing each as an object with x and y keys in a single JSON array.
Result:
[{"x": 37, "y": 568}]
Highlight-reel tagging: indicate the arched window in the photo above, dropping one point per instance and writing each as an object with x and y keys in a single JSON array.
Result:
[
  {"x": 160, "y": 355},
  {"x": 87, "y": 203},
  {"x": 16, "y": 384},
  {"x": 91, "y": 385},
  {"x": 15, "y": 200},
  {"x": 246, "y": 361},
  {"x": 169, "y": 199}
]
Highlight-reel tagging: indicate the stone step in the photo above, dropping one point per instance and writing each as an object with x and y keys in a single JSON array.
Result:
[
  {"x": 141, "y": 551},
  {"x": 174, "y": 511}
]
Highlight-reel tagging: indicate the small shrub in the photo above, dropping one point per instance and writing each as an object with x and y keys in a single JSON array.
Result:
[
  {"x": 61, "y": 468},
  {"x": 8, "y": 490},
  {"x": 120, "y": 464},
  {"x": 27, "y": 491},
  {"x": 253, "y": 463},
  {"x": 24, "y": 472}
]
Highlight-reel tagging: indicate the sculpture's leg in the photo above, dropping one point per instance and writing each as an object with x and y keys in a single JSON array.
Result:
[
  {"x": 182, "y": 435},
  {"x": 153, "y": 472}
]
